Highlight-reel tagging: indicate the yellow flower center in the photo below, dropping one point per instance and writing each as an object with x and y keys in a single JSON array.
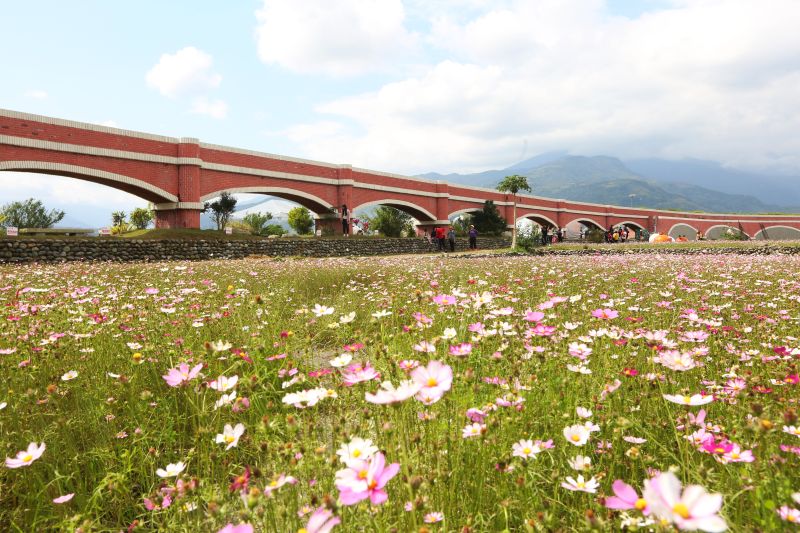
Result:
[
  {"x": 273, "y": 483},
  {"x": 681, "y": 510},
  {"x": 362, "y": 474},
  {"x": 28, "y": 458},
  {"x": 790, "y": 518},
  {"x": 229, "y": 438},
  {"x": 640, "y": 504},
  {"x": 432, "y": 382},
  {"x": 526, "y": 450},
  {"x": 735, "y": 455},
  {"x": 356, "y": 453},
  {"x": 372, "y": 484},
  {"x": 719, "y": 450},
  {"x": 687, "y": 399},
  {"x": 302, "y": 530},
  {"x": 575, "y": 437},
  {"x": 580, "y": 485}
]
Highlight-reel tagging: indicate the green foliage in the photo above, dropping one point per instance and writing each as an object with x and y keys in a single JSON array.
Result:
[
  {"x": 30, "y": 213},
  {"x": 257, "y": 222},
  {"x": 391, "y": 222},
  {"x": 141, "y": 217},
  {"x": 461, "y": 224},
  {"x": 118, "y": 218},
  {"x": 300, "y": 220},
  {"x": 488, "y": 220},
  {"x": 732, "y": 234},
  {"x": 513, "y": 184},
  {"x": 221, "y": 209},
  {"x": 529, "y": 237},
  {"x": 274, "y": 229}
]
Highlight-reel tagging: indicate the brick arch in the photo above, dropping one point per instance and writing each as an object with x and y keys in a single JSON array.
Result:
[
  {"x": 464, "y": 211},
  {"x": 539, "y": 219},
  {"x": 763, "y": 234},
  {"x": 630, "y": 223},
  {"x": 313, "y": 203},
  {"x": 724, "y": 226},
  {"x": 692, "y": 235},
  {"x": 130, "y": 185},
  {"x": 419, "y": 213},
  {"x": 591, "y": 221}
]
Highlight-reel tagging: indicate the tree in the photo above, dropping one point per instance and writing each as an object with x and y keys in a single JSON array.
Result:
[
  {"x": 29, "y": 214},
  {"x": 257, "y": 222},
  {"x": 141, "y": 217},
  {"x": 514, "y": 184},
  {"x": 300, "y": 220},
  {"x": 221, "y": 209},
  {"x": 488, "y": 220},
  {"x": 118, "y": 218},
  {"x": 391, "y": 222}
]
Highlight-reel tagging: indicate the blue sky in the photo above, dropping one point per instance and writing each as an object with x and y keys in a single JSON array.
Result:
[{"x": 411, "y": 86}]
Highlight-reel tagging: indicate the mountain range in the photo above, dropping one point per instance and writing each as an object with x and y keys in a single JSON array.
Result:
[{"x": 688, "y": 185}]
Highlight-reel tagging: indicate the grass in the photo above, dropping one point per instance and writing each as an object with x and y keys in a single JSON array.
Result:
[{"x": 122, "y": 327}]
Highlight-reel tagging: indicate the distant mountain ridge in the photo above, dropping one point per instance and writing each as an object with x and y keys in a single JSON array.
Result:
[{"x": 608, "y": 180}]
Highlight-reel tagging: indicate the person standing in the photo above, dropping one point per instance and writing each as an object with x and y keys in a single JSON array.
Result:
[
  {"x": 345, "y": 221},
  {"x": 473, "y": 238},
  {"x": 440, "y": 238},
  {"x": 451, "y": 238}
]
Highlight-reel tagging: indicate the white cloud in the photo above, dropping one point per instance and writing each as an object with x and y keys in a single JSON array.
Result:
[
  {"x": 213, "y": 108},
  {"x": 714, "y": 79},
  {"x": 345, "y": 37},
  {"x": 37, "y": 94},
  {"x": 188, "y": 70}
]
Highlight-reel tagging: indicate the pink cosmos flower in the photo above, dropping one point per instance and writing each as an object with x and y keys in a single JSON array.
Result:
[
  {"x": 241, "y": 528},
  {"x": 789, "y": 514},
  {"x": 26, "y": 457},
  {"x": 181, "y": 375},
  {"x": 435, "y": 379},
  {"x": 695, "y": 399},
  {"x": 533, "y": 316},
  {"x": 461, "y": 350},
  {"x": 358, "y": 373},
  {"x": 690, "y": 508},
  {"x": 625, "y": 497},
  {"x": 64, "y": 499},
  {"x": 605, "y": 314},
  {"x": 424, "y": 347},
  {"x": 365, "y": 479},
  {"x": 473, "y": 430},
  {"x": 525, "y": 449},
  {"x": 388, "y": 394},
  {"x": 432, "y": 518},
  {"x": 322, "y": 521},
  {"x": 581, "y": 484}
]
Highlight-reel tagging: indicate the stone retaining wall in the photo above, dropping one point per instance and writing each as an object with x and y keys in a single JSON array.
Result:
[{"x": 115, "y": 249}]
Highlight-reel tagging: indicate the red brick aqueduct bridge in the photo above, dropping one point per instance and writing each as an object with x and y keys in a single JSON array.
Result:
[{"x": 178, "y": 174}]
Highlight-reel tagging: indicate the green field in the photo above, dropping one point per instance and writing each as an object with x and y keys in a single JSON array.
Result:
[{"x": 523, "y": 374}]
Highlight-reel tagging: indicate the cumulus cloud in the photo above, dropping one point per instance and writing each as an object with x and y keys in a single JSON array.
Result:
[
  {"x": 714, "y": 79},
  {"x": 37, "y": 94},
  {"x": 213, "y": 108},
  {"x": 188, "y": 70},
  {"x": 347, "y": 37}
]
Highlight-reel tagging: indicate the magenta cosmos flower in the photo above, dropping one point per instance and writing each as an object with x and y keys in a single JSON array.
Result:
[
  {"x": 240, "y": 528},
  {"x": 322, "y": 521},
  {"x": 181, "y": 375},
  {"x": 605, "y": 314},
  {"x": 365, "y": 479},
  {"x": 690, "y": 508},
  {"x": 26, "y": 457},
  {"x": 435, "y": 379}
]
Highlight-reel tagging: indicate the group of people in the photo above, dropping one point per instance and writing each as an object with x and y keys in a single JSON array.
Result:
[
  {"x": 557, "y": 235},
  {"x": 446, "y": 237}
]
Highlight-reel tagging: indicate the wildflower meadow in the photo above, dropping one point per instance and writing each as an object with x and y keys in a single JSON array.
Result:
[{"x": 653, "y": 393}]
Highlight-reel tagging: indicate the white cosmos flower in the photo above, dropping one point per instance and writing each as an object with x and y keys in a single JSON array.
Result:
[
  {"x": 322, "y": 310},
  {"x": 220, "y": 346},
  {"x": 580, "y": 463},
  {"x": 346, "y": 319},
  {"x": 230, "y": 435},
  {"x": 224, "y": 384},
  {"x": 381, "y": 314},
  {"x": 225, "y": 399},
  {"x": 695, "y": 399},
  {"x": 577, "y": 434},
  {"x": 583, "y": 412},
  {"x": 341, "y": 361},
  {"x": 449, "y": 333},
  {"x": 357, "y": 449},
  {"x": 172, "y": 470},
  {"x": 69, "y": 375}
]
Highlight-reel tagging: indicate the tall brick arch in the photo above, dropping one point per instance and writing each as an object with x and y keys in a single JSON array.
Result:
[{"x": 179, "y": 174}]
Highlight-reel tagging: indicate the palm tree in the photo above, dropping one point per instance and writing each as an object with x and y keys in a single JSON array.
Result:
[{"x": 514, "y": 184}]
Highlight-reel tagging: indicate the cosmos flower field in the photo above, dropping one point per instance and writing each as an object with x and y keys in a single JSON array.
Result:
[{"x": 412, "y": 394}]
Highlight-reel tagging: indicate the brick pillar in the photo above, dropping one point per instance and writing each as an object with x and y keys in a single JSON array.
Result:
[{"x": 344, "y": 196}]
